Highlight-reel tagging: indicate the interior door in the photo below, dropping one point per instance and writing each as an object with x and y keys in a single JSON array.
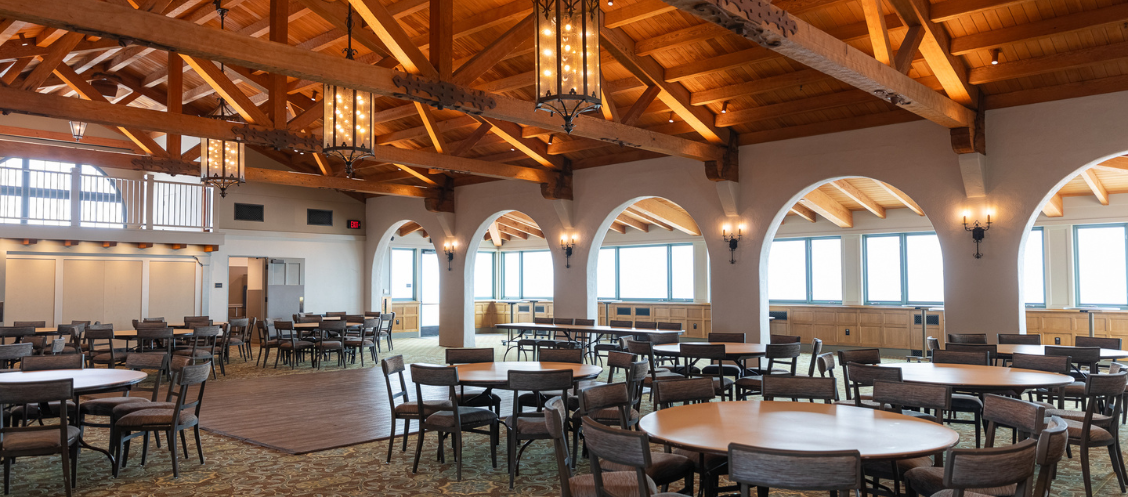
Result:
[
  {"x": 429, "y": 293},
  {"x": 285, "y": 288}
]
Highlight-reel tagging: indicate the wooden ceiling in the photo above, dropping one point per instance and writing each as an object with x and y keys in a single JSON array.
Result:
[
  {"x": 664, "y": 71},
  {"x": 837, "y": 201},
  {"x": 644, "y": 215},
  {"x": 1101, "y": 180}
]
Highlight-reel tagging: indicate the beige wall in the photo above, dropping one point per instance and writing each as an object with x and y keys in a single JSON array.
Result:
[
  {"x": 104, "y": 291},
  {"x": 172, "y": 290},
  {"x": 32, "y": 295}
]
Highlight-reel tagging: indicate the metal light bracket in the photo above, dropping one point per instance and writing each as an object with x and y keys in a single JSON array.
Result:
[
  {"x": 442, "y": 95},
  {"x": 278, "y": 139}
]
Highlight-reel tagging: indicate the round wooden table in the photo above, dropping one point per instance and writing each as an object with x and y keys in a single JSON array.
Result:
[
  {"x": 314, "y": 326},
  {"x": 966, "y": 377},
  {"x": 85, "y": 380},
  {"x": 124, "y": 334},
  {"x": 1008, "y": 349},
  {"x": 800, "y": 426},
  {"x": 733, "y": 351},
  {"x": 496, "y": 374}
]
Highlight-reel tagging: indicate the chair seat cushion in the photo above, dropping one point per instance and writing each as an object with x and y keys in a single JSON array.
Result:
[
  {"x": 528, "y": 426},
  {"x": 750, "y": 382},
  {"x": 231, "y": 342},
  {"x": 1079, "y": 416},
  {"x": 1097, "y": 434},
  {"x": 729, "y": 369},
  {"x": 884, "y": 469},
  {"x": 198, "y": 353},
  {"x": 614, "y": 482},
  {"x": 154, "y": 417},
  {"x": 330, "y": 345},
  {"x": 947, "y": 492},
  {"x": 132, "y": 407},
  {"x": 468, "y": 415},
  {"x": 920, "y": 415},
  {"x": 270, "y": 343},
  {"x": 38, "y": 440},
  {"x": 299, "y": 344},
  {"x": 929, "y": 480},
  {"x": 105, "y": 406},
  {"x": 610, "y": 416},
  {"x": 965, "y": 403},
  {"x": 864, "y": 403},
  {"x": 412, "y": 408},
  {"x": 1075, "y": 389},
  {"x": 665, "y": 467},
  {"x": 106, "y": 357}
]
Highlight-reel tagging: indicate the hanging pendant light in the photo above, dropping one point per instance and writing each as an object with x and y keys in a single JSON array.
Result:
[
  {"x": 78, "y": 130},
  {"x": 222, "y": 161},
  {"x": 348, "y": 123},
  {"x": 567, "y": 57}
]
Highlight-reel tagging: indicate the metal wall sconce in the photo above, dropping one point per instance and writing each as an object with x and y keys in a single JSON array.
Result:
[
  {"x": 567, "y": 244},
  {"x": 448, "y": 249},
  {"x": 978, "y": 231},
  {"x": 733, "y": 239}
]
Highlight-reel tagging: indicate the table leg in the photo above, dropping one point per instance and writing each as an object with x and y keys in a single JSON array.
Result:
[
  {"x": 923, "y": 334},
  {"x": 1092, "y": 323}
]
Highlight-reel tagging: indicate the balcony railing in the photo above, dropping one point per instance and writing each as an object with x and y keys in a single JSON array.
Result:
[{"x": 36, "y": 197}]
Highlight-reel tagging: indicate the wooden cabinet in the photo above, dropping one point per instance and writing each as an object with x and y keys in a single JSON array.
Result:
[
  {"x": 696, "y": 319},
  {"x": 855, "y": 326},
  {"x": 407, "y": 317}
]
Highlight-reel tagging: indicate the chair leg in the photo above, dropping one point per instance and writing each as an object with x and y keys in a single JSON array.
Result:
[
  {"x": 199, "y": 445},
  {"x": 419, "y": 449},
  {"x": 74, "y": 464},
  {"x": 457, "y": 439},
  {"x": 7, "y": 473},
  {"x": 172, "y": 452},
  {"x": 406, "y": 429},
  {"x": 66, "y": 470},
  {"x": 511, "y": 454},
  {"x": 392, "y": 440},
  {"x": 184, "y": 444}
]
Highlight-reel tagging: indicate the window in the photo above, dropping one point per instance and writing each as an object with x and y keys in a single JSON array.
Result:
[
  {"x": 648, "y": 272},
  {"x": 1101, "y": 276},
  {"x": 806, "y": 270},
  {"x": 1033, "y": 272},
  {"x": 403, "y": 274},
  {"x": 903, "y": 268},
  {"x": 39, "y": 192},
  {"x": 511, "y": 275},
  {"x": 484, "y": 275},
  {"x": 527, "y": 275}
]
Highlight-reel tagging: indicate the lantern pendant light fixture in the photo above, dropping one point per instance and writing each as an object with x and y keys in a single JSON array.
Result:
[
  {"x": 222, "y": 162},
  {"x": 567, "y": 57},
  {"x": 78, "y": 130},
  {"x": 348, "y": 130}
]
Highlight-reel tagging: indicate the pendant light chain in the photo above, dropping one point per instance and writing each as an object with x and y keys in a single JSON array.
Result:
[{"x": 222, "y": 162}]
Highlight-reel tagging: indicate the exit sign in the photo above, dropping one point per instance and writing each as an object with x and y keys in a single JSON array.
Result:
[{"x": 353, "y": 224}]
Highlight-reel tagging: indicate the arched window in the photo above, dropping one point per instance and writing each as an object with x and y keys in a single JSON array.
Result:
[{"x": 38, "y": 192}]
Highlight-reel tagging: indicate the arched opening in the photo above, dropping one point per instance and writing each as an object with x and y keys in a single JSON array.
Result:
[
  {"x": 510, "y": 271},
  {"x": 850, "y": 263},
  {"x": 652, "y": 266},
  {"x": 1073, "y": 254},
  {"x": 411, "y": 271}
]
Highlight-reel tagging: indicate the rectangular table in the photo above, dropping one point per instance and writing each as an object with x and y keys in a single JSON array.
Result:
[{"x": 579, "y": 328}]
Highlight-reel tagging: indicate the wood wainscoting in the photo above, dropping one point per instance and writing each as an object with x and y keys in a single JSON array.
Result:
[
  {"x": 696, "y": 319},
  {"x": 488, "y": 313},
  {"x": 407, "y": 317},
  {"x": 855, "y": 326},
  {"x": 1059, "y": 326}
]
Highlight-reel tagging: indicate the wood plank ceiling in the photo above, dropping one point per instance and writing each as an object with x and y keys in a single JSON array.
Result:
[{"x": 664, "y": 70}]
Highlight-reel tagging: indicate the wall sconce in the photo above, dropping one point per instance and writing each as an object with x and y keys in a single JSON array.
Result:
[
  {"x": 448, "y": 249},
  {"x": 977, "y": 231},
  {"x": 733, "y": 239},
  {"x": 567, "y": 244}
]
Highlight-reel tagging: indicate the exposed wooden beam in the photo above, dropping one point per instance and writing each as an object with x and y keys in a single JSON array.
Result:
[
  {"x": 431, "y": 126},
  {"x": 901, "y": 197},
  {"x": 646, "y": 218},
  {"x": 13, "y": 71},
  {"x": 521, "y": 222},
  {"x": 669, "y": 215},
  {"x": 488, "y": 19},
  {"x": 506, "y": 230},
  {"x": 1074, "y": 89},
  {"x": 174, "y": 103},
  {"x": 409, "y": 228},
  {"x": 59, "y": 51},
  {"x": 9, "y": 28},
  {"x": 828, "y": 208},
  {"x": 1054, "y": 207},
  {"x": 803, "y": 212},
  {"x": 674, "y": 95},
  {"x": 532, "y": 147},
  {"x": 1098, "y": 188},
  {"x": 757, "y": 86},
  {"x": 618, "y": 227},
  {"x": 635, "y": 12},
  {"x": 461, "y": 148},
  {"x": 215, "y": 78},
  {"x": 821, "y": 51},
  {"x": 307, "y": 117},
  {"x": 79, "y": 85},
  {"x": 278, "y": 18},
  {"x": 934, "y": 46},
  {"x": 679, "y": 38},
  {"x": 459, "y": 164},
  {"x": 1061, "y": 25},
  {"x": 644, "y": 101},
  {"x": 858, "y": 196},
  {"x": 266, "y": 56},
  {"x": 878, "y": 33},
  {"x": 337, "y": 14},
  {"x": 441, "y": 18},
  {"x": 323, "y": 164},
  {"x": 949, "y": 10},
  {"x": 810, "y": 104},
  {"x": 68, "y": 139},
  {"x": 833, "y": 126},
  {"x": 392, "y": 34},
  {"x": 906, "y": 53},
  {"x": 495, "y": 234},
  {"x": 1049, "y": 63},
  {"x": 607, "y": 106},
  {"x": 519, "y": 35},
  {"x": 720, "y": 63},
  {"x": 632, "y": 222}
]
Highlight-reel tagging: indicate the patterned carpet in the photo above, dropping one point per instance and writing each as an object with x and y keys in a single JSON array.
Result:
[{"x": 238, "y": 468}]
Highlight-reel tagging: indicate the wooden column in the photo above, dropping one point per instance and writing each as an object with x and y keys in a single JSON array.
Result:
[
  {"x": 279, "y": 33},
  {"x": 442, "y": 36},
  {"x": 175, "y": 101}
]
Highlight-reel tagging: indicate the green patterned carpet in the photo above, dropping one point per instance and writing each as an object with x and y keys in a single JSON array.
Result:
[{"x": 237, "y": 468}]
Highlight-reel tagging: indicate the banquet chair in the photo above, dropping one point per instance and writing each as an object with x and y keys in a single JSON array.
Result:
[
  {"x": 980, "y": 338},
  {"x": 1049, "y": 364},
  {"x": 29, "y": 324},
  {"x": 100, "y": 347},
  {"x": 1097, "y": 425},
  {"x": 385, "y": 330},
  {"x": 290, "y": 344},
  {"x": 192, "y": 322},
  {"x": 715, "y": 355},
  {"x": 972, "y": 471},
  {"x": 973, "y": 357},
  {"x": 735, "y": 370},
  {"x": 991, "y": 349},
  {"x": 645, "y": 350},
  {"x": 525, "y": 426},
  {"x": 646, "y": 325},
  {"x": 474, "y": 397},
  {"x": 686, "y": 391},
  {"x": 612, "y": 403},
  {"x": 833, "y": 471},
  {"x": 202, "y": 347},
  {"x": 620, "y": 324},
  {"x": 372, "y": 314},
  {"x": 267, "y": 340},
  {"x": 154, "y": 337},
  {"x": 903, "y": 398},
  {"x": 784, "y": 339},
  {"x": 864, "y": 375},
  {"x": 184, "y": 414},
  {"x": 799, "y": 388},
  {"x": 617, "y": 449},
  {"x": 339, "y": 314},
  {"x": 364, "y": 341},
  {"x": 1102, "y": 342},
  {"x": 407, "y": 410},
  {"x": 331, "y": 339},
  {"x": 449, "y": 422},
  {"x": 238, "y": 335},
  {"x": 26, "y": 441},
  {"x": 826, "y": 364},
  {"x": 11, "y": 353},
  {"x": 965, "y": 402},
  {"x": 1052, "y": 443},
  {"x": 73, "y": 334},
  {"x": 1019, "y": 339},
  {"x": 570, "y": 356},
  {"x": 33, "y": 411},
  {"x": 156, "y": 362},
  {"x": 153, "y": 320},
  {"x": 19, "y": 334},
  {"x": 786, "y": 353},
  {"x": 933, "y": 344},
  {"x": 816, "y": 349},
  {"x": 859, "y": 356},
  {"x": 1083, "y": 361}
]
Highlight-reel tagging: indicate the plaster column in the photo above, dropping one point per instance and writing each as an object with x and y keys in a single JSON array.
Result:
[{"x": 570, "y": 284}]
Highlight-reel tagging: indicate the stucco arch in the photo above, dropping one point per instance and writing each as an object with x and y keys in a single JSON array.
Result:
[
  {"x": 474, "y": 244},
  {"x": 382, "y": 225}
]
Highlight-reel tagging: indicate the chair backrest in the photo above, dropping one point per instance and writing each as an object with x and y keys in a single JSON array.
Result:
[
  {"x": 670, "y": 326},
  {"x": 17, "y": 332},
  {"x": 585, "y": 322},
  {"x": 153, "y": 320},
  {"x": 99, "y": 339},
  {"x": 933, "y": 344},
  {"x": 307, "y": 319},
  {"x": 372, "y": 314},
  {"x": 991, "y": 467},
  {"x": 438, "y": 376},
  {"x": 980, "y": 358},
  {"x": 15, "y": 351},
  {"x": 646, "y": 351},
  {"x": 859, "y": 356},
  {"x": 646, "y": 325},
  {"x": 1081, "y": 356},
  {"x": 628, "y": 448},
  {"x": 615, "y": 361},
  {"x": 783, "y": 350},
  {"x": 537, "y": 382},
  {"x": 36, "y": 392},
  {"x": 1104, "y": 343},
  {"x": 1108, "y": 386},
  {"x": 662, "y": 338},
  {"x": 799, "y": 387},
  {"x": 1027, "y": 418},
  {"x": 1051, "y": 447},
  {"x": 784, "y": 338},
  {"x": 542, "y": 320},
  {"x": 393, "y": 365},
  {"x": 863, "y": 375},
  {"x": 615, "y": 323},
  {"x": 469, "y": 356},
  {"x": 1048, "y": 363},
  {"x": 839, "y": 470},
  {"x": 684, "y": 391},
  {"x": 337, "y": 314},
  {"x": 712, "y": 352},
  {"x": 29, "y": 324},
  {"x": 726, "y": 337},
  {"x": 186, "y": 378},
  {"x": 816, "y": 349},
  {"x": 967, "y": 338},
  {"x": 150, "y": 337},
  {"x": 575, "y": 356},
  {"x": 899, "y": 395},
  {"x": 1019, "y": 339},
  {"x": 563, "y": 321},
  {"x": 555, "y": 414},
  {"x": 991, "y": 349},
  {"x": 155, "y": 362},
  {"x": 49, "y": 362}
]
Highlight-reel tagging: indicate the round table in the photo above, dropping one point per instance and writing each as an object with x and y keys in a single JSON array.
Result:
[
  {"x": 967, "y": 377},
  {"x": 314, "y": 326},
  {"x": 85, "y": 380},
  {"x": 799, "y": 426},
  {"x": 733, "y": 351},
  {"x": 496, "y": 374},
  {"x": 1009, "y": 349}
]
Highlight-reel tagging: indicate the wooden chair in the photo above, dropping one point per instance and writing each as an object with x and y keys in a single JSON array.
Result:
[
  {"x": 29, "y": 324},
  {"x": 784, "y": 339},
  {"x": 800, "y": 388},
  {"x": 34, "y": 412},
  {"x": 858, "y": 356},
  {"x": 864, "y": 375},
  {"x": 645, "y": 350},
  {"x": 452, "y": 422},
  {"x": 646, "y": 325},
  {"x": 1097, "y": 425},
  {"x": 290, "y": 343},
  {"x": 1051, "y": 447},
  {"x": 202, "y": 347},
  {"x": 474, "y": 397},
  {"x": 965, "y": 402},
  {"x": 1047, "y": 363},
  {"x": 405, "y": 410},
  {"x": 365, "y": 340},
  {"x": 1084, "y": 361},
  {"x": 385, "y": 329},
  {"x": 715, "y": 355},
  {"x": 620, "y": 324},
  {"x": 816, "y": 349},
  {"x": 973, "y": 357},
  {"x": 18, "y": 334},
  {"x": 331, "y": 336},
  {"x": 980, "y": 338},
  {"x": 991, "y": 349},
  {"x": 100, "y": 347},
  {"x": 238, "y": 335},
  {"x": 183, "y": 415},
  {"x": 268, "y": 340},
  {"x": 931, "y": 344},
  {"x": 12, "y": 353},
  {"x": 1018, "y": 339},
  {"x": 966, "y": 470},
  {"x": 372, "y": 314},
  {"x": 833, "y": 471},
  {"x": 73, "y": 333},
  {"x": 670, "y": 326},
  {"x": 622, "y": 449},
  {"x": 340, "y": 314},
  {"x": 826, "y": 365},
  {"x": 910, "y": 399},
  {"x": 524, "y": 426},
  {"x": 611, "y": 403},
  {"x": 785, "y": 353},
  {"x": 28, "y": 441},
  {"x": 103, "y": 407}
]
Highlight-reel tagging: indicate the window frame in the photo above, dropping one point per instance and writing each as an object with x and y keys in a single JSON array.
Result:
[
  {"x": 414, "y": 274},
  {"x": 669, "y": 273},
  {"x": 1077, "y": 261},
  {"x": 810, "y": 278},
  {"x": 25, "y": 193},
  {"x": 904, "y": 251},
  {"x": 1044, "y": 288},
  {"x": 493, "y": 274}
]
